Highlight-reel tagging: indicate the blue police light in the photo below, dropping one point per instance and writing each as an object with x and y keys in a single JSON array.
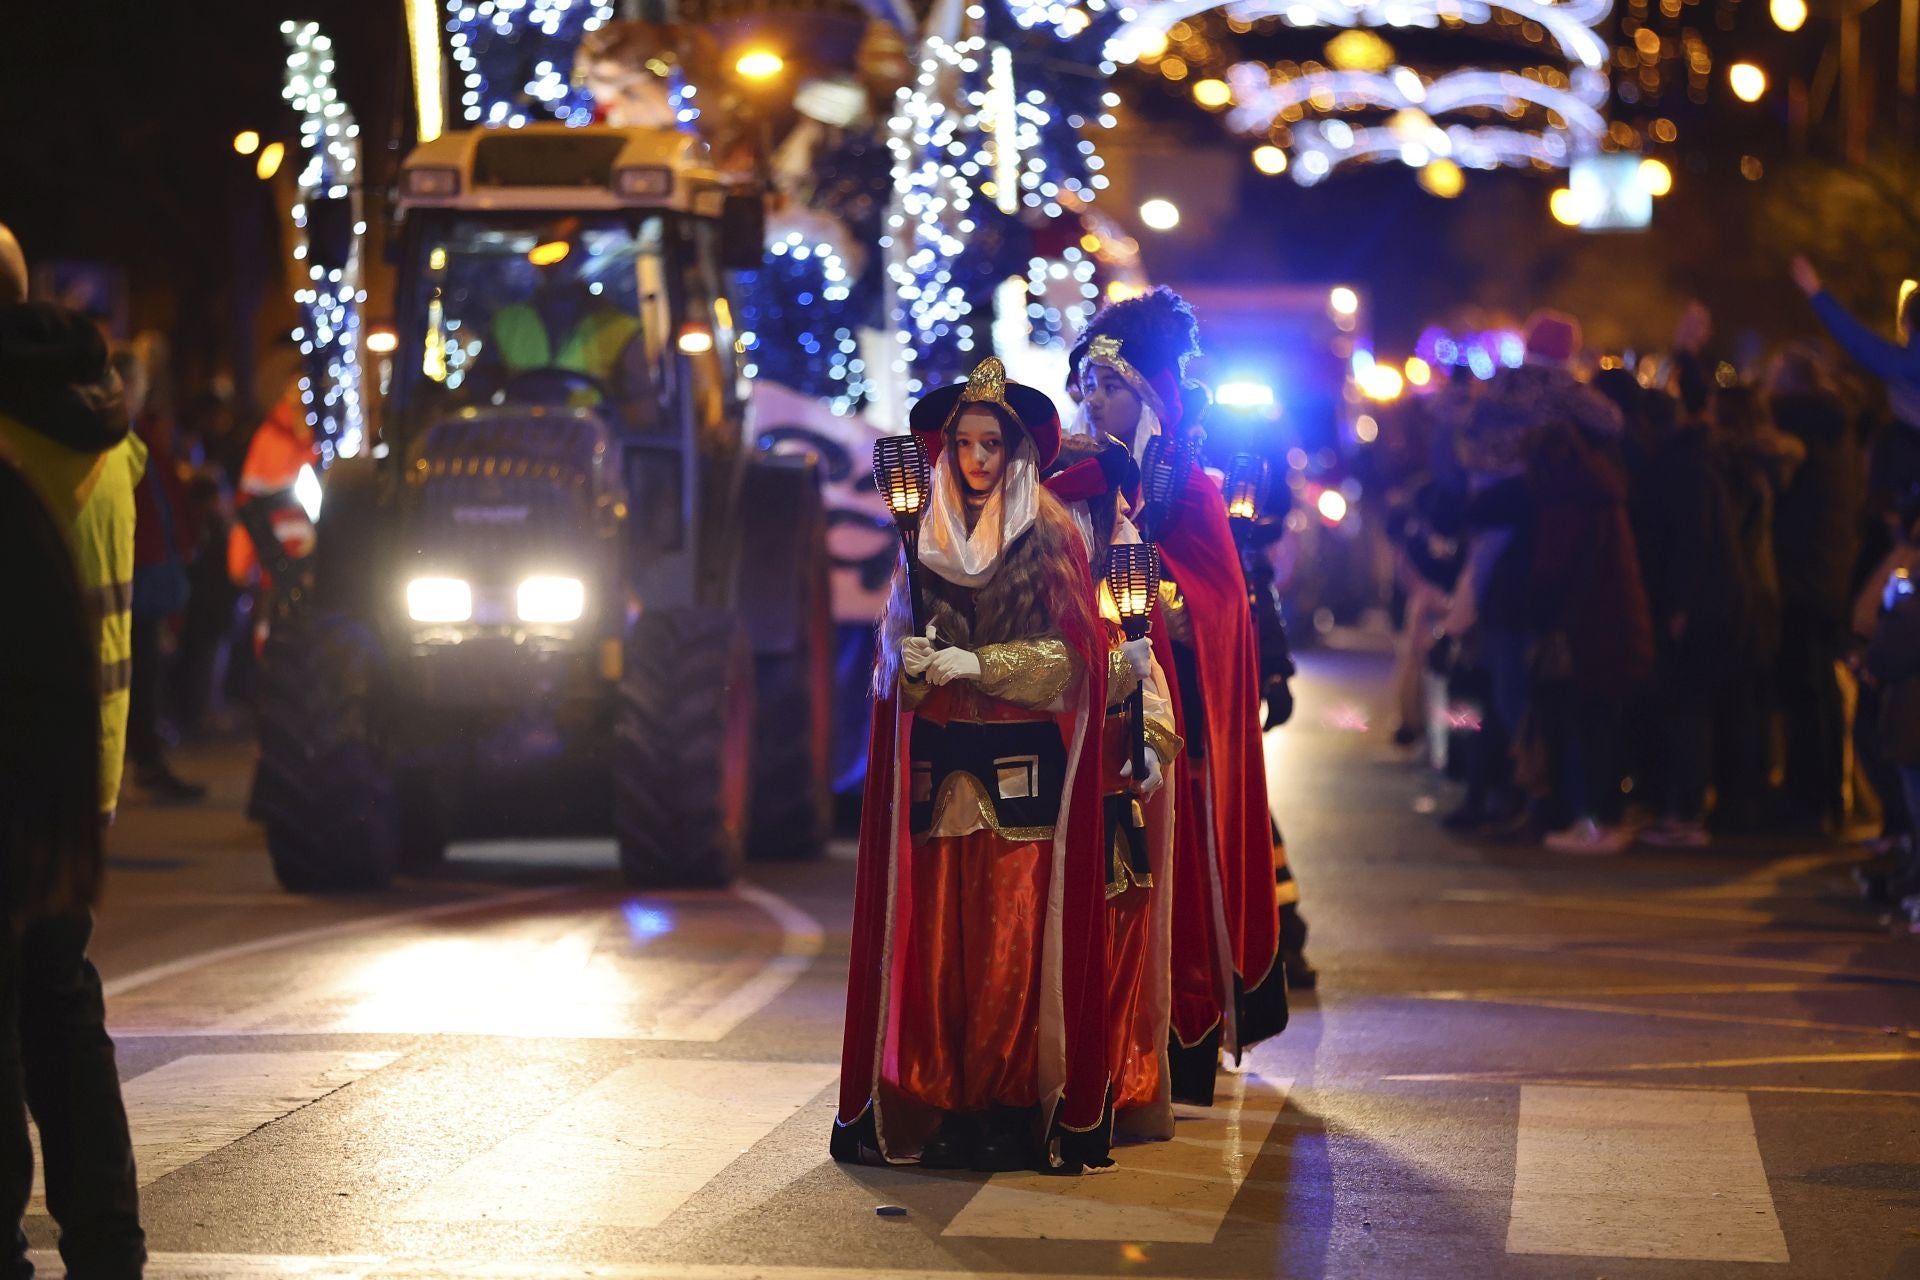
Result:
[{"x": 1244, "y": 394}]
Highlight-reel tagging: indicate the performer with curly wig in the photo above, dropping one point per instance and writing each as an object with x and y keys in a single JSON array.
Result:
[
  {"x": 1098, "y": 479},
  {"x": 976, "y": 1000},
  {"x": 1229, "y": 987}
]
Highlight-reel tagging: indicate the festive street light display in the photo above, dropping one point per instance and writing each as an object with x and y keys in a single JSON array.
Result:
[
  {"x": 1366, "y": 105},
  {"x": 515, "y": 58},
  {"x": 329, "y": 229}
]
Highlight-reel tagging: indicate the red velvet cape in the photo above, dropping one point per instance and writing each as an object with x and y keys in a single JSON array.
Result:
[
  {"x": 1199, "y": 551},
  {"x": 873, "y": 988}
]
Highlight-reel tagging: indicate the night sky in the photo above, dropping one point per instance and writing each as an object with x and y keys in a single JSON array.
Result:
[{"x": 116, "y": 146}]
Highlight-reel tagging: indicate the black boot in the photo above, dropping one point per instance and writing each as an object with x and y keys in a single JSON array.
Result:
[
  {"x": 1191, "y": 1071},
  {"x": 1006, "y": 1141},
  {"x": 952, "y": 1145}
]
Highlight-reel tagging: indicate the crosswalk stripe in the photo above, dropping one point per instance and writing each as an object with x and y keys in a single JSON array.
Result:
[
  {"x": 1629, "y": 1173},
  {"x": 1174, "y": 1192},
  {"x": 195, "y": 1105},
  {"x": 630, "y": 1150}
]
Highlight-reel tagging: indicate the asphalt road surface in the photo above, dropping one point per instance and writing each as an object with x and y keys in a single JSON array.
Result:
[{"x": 1652, "y": 1067}]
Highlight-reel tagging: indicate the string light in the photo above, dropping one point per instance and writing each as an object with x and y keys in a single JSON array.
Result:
[
  {"x": 496, "y": 44},
  {"x": 1557, "y": 115},
  {"x": 330, "y": 301}
]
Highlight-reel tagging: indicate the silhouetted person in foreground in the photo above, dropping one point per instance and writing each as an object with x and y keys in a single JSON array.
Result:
[{"x": 68, "y": 465}]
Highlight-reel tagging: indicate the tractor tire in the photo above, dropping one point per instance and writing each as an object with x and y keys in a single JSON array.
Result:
[
  {"x": 682, "y": 749},
  {"x": 322, "y": 787},
  {"x": 786, "y": 594}
]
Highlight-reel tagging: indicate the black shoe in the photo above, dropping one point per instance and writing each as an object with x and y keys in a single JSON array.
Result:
[
  {"x": 1301, "y": 976},
  {"x": 951, "y": 1146},
  {"x": 168, "y": 787},
  {"x": 1006, "y": 1141}
]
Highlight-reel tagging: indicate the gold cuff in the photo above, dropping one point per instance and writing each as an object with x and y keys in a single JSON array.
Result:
[
  {"x": 1029, "y": 673},
  {"x": 1165, "y": 742}
]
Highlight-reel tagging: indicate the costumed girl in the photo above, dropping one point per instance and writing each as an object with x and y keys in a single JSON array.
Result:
[
  {"x": 976, "y": 999},
  {"x": 1229, "y": 989},
  {"x": 1096, "y": 477}
]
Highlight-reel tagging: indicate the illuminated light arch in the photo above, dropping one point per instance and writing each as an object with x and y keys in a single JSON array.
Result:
[
  {"x": 1571, "y": 23},
  {"x": 1576, "y": 124},
  {"x": 1317, "y": 154},
  {"x": 1262, "y": 102}
]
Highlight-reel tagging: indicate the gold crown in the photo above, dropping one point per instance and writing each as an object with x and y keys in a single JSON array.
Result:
[
  {"x": 987, "y": 383},
  {"x": 1104, "y": 348}
]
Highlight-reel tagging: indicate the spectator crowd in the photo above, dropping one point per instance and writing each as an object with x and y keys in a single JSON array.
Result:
[{"x": 1664, "y": 602}]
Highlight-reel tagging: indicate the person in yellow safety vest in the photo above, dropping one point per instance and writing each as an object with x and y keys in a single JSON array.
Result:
[
  {"x": 64, "y": 420},
  {"x": 591, "y": 333}
]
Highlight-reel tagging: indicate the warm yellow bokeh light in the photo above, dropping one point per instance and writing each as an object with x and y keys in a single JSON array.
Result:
[
  {"x": 1419, "y": 372},
  {"x": 246, "y": 142},
  {"x": 759, "y": 64},
  {"x": 1161, "y": 215},
  {"x": 269, "y": 162},
  {"x": 1443, "y": 178},
  {"x": 1381, "y": 382},
  {"x": 1270, "y": 160},
  {"x": 1749, "y": 82},
  {"x": 546, "y": 255},
  {"x": 1656, "y": 177},
  {"x": 1789, "y": 15},
  {"x": 1343, "y": 300},
  {"x": 1212, "y": 94},
  {"x": 1565, "y": 207}
]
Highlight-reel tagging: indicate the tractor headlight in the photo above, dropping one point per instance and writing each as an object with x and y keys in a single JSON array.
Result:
[
  {"x": 551, "y": 599},
  {"x": 439, "y": 600}
]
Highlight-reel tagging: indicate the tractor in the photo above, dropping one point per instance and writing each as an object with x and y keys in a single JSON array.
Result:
[{"x": 565, "y": 594}]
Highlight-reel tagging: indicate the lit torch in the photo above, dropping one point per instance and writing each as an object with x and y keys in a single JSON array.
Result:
[
  {"x": 1246, "y": 490},
  {"x": 1133, "y": 576},
  {"x": 1164, "y": 467},
  {"x": 901, "y": 474}
]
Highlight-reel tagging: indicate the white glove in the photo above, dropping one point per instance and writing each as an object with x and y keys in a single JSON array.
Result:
[
  {"x": 953, "y": 664},
  {"x": 917, "y": 651},
  {"x": 1156, "y": 776},
  {"x": 1139, "y": 656}
]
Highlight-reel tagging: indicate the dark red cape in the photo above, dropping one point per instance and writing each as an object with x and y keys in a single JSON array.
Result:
[
  {"x": 1198, "y": 548},
  {"x": 872, "y": 993}
]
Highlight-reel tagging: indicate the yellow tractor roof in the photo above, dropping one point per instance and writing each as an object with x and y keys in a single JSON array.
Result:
[{"x": 553, "y": 166}]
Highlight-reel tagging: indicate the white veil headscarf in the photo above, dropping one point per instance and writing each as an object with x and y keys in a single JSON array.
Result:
[{"x": 970, "y": 559}]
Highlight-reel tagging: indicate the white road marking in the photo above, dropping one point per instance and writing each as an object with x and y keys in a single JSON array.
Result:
[
  {"x": 1628, "y": 1173},
  {"x": 800, "y": 941},
  {"x": 321, "y": 933},
  {"x": 1176, "y": 1192},
  {"x": 630, "y": 1150},
  {"x": 196, "y": 1105},
  {"x": 571, "y": 974}
]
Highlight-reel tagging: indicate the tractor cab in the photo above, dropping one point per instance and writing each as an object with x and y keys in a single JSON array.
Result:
[{"x": 555, "y": 600}]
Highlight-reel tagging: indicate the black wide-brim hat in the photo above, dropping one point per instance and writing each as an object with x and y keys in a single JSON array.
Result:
[{"x": 1031, "y": 410}]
